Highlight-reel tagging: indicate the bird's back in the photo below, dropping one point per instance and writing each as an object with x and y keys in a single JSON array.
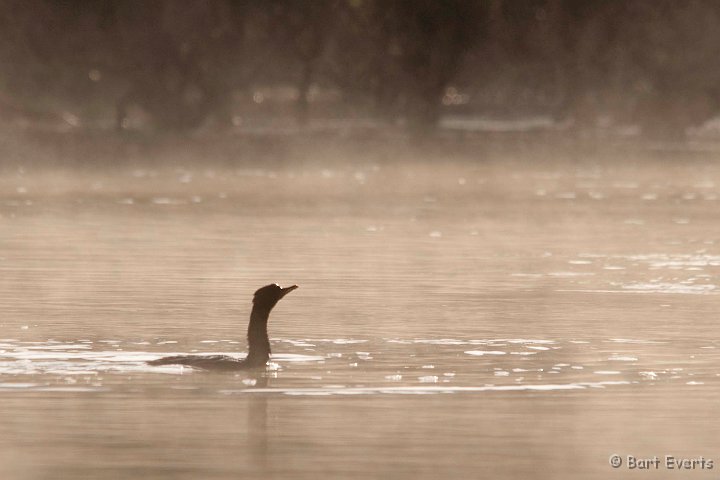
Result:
[{"x": 207, "y": 362}]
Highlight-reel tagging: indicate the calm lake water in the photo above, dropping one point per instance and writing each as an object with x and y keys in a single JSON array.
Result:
[{"x": 487, "y": 318}]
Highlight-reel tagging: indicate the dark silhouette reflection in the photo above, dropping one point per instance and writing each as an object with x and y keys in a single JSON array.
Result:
[
  {"x": 257, "y": 426},
  {"x": 258, "y": 342}
]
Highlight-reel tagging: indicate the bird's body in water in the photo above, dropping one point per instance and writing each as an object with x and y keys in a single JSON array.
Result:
[{"x": 258, "y": 343}]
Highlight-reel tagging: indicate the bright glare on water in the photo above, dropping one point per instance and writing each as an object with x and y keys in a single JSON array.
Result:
[{"x": 476, "y": 319}]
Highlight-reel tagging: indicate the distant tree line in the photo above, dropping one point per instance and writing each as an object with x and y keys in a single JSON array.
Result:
[{"x": 184, "y": 63}]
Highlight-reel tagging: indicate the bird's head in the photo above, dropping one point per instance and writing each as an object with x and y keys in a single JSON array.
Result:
[{"x": 269, "y": 295}]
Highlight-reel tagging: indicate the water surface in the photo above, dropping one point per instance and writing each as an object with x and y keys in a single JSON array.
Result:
[{"x": 457, "y": 319}]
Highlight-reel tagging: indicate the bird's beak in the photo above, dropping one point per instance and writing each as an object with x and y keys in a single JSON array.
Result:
[{"x": 287, "y": 290}]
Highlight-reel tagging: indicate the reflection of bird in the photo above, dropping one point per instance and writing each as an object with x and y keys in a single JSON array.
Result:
[{"x": 258, "y": 342}]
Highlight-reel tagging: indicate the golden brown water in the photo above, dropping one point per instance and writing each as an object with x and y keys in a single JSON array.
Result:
[{"x": 496, "y": 319}]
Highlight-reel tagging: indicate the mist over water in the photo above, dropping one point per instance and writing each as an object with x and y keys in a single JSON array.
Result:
[
  {"x": 470, "y": 316},
  {"x": 501, "y": 216}
]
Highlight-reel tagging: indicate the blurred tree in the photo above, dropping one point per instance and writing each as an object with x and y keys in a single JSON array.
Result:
[
  {"x": 364, "y": 57},
  {"x": 430, "y": 39},
  {"x": 402, "y": 54},
  {"x": 651, "y": 62},
  {"x": 180, "y": 61},
  {"x": 47, "y": 50},
  {"x": 673, "y": 48},
  {"x": 185, "y": 63},
  {"x": 300, "y": 30}
]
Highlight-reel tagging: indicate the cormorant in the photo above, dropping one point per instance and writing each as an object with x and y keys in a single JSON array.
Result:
[{"x": 258, "y": 342}]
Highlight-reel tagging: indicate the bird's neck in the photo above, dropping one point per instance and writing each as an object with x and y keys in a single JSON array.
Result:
[{"x": 258, "y": 342}]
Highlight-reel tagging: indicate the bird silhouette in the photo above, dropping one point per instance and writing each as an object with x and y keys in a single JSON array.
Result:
[{"x": 258, "y": 343}]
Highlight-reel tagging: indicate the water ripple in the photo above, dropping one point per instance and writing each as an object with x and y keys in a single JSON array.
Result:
[{"x": 422, "y": 390}]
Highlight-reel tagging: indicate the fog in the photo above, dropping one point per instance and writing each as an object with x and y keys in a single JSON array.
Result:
[
  {"x": 244, "y": 67},
  {"x": 500, "y": 216}
]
